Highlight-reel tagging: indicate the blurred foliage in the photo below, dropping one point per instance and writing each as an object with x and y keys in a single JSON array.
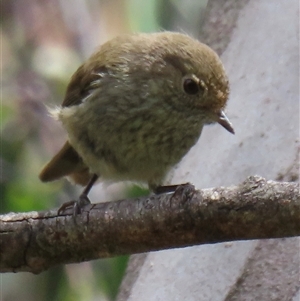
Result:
[{"x": 42, "y": 44}]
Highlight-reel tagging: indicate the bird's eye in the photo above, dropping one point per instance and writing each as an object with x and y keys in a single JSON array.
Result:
[{"x": 190, "y": 86}]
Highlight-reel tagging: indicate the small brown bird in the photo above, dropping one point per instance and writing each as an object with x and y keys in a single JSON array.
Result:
[{"x": 135, "y": 108}]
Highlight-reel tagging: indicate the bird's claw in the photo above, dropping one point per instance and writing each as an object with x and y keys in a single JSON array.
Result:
[
  {"x": 76, "y": 205},
  {"x": 184, "y": 191}
]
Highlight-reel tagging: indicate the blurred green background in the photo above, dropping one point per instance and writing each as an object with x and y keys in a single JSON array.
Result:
[{"x": 42, "y": 44}]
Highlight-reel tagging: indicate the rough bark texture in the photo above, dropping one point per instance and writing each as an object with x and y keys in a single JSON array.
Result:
[
  {"x": 255, "y": 209},
  {"x": 258, "y": 43}
]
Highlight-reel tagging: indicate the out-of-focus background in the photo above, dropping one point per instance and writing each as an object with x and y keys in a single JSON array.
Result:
[{"x": 42, "y": 44}]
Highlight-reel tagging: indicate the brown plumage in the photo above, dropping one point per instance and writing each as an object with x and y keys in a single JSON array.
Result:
[
  {"x": 68, "y": 163},
  {"x": 137, "y": 106}
]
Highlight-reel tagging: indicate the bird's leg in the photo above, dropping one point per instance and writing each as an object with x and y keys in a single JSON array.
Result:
[
  {"x": 181, "y": 191},
  {"x": 165, "y": 189},
  {"x": 82, "y": 201},
  {"x": 169, "y": 188}
]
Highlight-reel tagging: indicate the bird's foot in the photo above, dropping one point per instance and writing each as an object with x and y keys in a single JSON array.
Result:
[
  {"x": 184, "y": 191},
  {"x": 170, "y": 188},
  {"x": 76, "y": 205}
]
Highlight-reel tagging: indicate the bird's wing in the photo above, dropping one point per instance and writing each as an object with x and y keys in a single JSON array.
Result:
[
  {"x": 66, "y": 162},
  {"x": 83, "y": 81}
]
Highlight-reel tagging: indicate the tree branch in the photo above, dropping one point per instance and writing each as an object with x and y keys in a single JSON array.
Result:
[{"x": 255, "y": 209}]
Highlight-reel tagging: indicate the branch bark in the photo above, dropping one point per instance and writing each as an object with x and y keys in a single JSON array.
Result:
[{"x": 255, "y": 209}]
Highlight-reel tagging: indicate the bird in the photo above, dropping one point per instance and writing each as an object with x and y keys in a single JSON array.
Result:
[{"x": 135, "y": 108}]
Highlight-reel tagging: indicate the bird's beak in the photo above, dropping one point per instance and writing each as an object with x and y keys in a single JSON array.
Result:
[{"x": 224, "y": 122}]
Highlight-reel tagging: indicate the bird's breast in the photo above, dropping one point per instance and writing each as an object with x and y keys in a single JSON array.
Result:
[{"x": 131, "y": 143}]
